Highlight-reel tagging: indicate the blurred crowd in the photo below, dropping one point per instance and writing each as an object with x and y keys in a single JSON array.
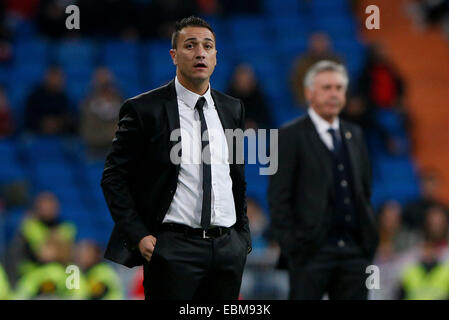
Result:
[
  {"x": 430, "y": 14},
  {"x": 413, "y": 255},
  {"x": 42, "y": 254}
]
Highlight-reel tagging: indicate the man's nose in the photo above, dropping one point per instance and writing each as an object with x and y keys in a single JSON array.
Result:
[{"x": 200, "y": 53}]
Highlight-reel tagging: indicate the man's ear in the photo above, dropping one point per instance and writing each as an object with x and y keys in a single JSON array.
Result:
[
  {"x": 173, "y": 56},
  {"x": 308, "y": 93}
]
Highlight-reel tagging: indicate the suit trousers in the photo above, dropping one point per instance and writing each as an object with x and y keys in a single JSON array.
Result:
[
  {"x": 338, "y": 270},
  {"x": 187, "y": 267}
]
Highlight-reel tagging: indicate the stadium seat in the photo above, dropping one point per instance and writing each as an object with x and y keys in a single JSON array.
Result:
[
  {"x": 122, "y": 58},
  {"x": 77, "y": 58},
  {"x": 30, "y": 51},
  {"x": 45, "y": 149},
  {"x": 281, "y": 8},
  {"x": 249, "y": 32},
  {"x": 335, "y": 26},
  {"x": 330, "y": 8},
  {"x": 160, "y": 66}
]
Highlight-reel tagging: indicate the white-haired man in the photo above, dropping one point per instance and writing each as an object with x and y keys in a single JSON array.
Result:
[{"x": 320, "y": 196}]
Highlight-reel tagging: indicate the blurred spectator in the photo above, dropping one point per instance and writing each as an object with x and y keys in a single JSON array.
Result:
[
  {"x": 99, "y": 113},
  {"x": 383, "y": 89},
  {"x": 380, "y": 83},
  {"x": 209, "y": 7},
  {"x": 359, "y": 112},
  {"x": 414, "y": 211},
  {"x": 240, "y": 7},
  {"x": 111, "y": 17},
  {"x": 4, "y": 285},
  {"x": 41, "y": 238},
  {"x": 100, "y": 279},
  {"x": 47, "y": 107},
  {"x": 320, "y": 48},
  {"x": 260, "y": 279},
  {"x": 6, "y": 48},
  {"x": 244, "y": 86},
  {"x": 48, "y": 280},
  {"x": 24, "y": 8},
  {"x": 258, "y": 224},
  {"x": 51, "y": 17},
  {"x": 157, "y": 19},
  {"x": 6, "y": 120},
  {"x": 427, "y": 278},
  {"x": 430, "y": 12},
  {"x": 393, "y": 238}
]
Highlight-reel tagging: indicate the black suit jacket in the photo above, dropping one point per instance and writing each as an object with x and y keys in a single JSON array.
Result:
[
  {"x": 300, "y": 193},
  {"x": 139, "y": 180}
]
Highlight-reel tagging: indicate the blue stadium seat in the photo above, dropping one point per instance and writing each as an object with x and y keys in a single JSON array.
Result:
[
  {"x": 5, "y": 72},
  {"x": 77, "y": 57},
  {"x": 26, "y": 75},
  {"x": 11, "y": 172},
  {"x": 336, "y": 26},
  {"x": 398, "y": 176},
  {"x": 52, "y": 175},
  {"x": 222, "y": 73},
  {"x": 331, "y": 8},
  {"x": 160, "y": 65},
  {"x": 122, "y": 58},
  {"x": 77, "y": 90},
  {"x": 30, "y": 51},
  {"x": 353, "y": 53},
  {"x": 294, "y": 28},
  {"x": 281, "y": 8},
  {"x": 45, "y": 149},
  {"x": 249, "y": 32},
  {"x": 13, "y": 219}
]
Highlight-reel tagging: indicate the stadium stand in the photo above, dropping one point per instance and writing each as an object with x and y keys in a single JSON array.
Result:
[{"x": 269, "y": 41}]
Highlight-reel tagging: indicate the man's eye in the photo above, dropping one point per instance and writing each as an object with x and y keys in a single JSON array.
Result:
[{"x": 189, "y": 46}]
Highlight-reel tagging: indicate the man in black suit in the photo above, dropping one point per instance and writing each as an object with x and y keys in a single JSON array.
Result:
[
  {"x": 320, "y": 196},
  {"x": 178, "y": 202}
]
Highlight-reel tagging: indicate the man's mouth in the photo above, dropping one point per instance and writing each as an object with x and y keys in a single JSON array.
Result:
[{"x": 200, "y": 65}]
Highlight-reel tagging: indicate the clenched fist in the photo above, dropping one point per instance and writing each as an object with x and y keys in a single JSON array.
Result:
[{"x": 146, "y": 247}]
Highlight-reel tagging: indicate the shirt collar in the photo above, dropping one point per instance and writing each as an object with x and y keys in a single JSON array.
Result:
[
  {"x": 190, "y": 98},
  {"x": 321, "y": 124}
]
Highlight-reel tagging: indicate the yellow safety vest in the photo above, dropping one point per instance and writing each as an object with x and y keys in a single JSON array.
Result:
[
  {"x": 4, "y": 285},
  {"x": 419, "y": 284},
  {"x": 103, "y": 283},
  {"x": 36, "y": 234}
]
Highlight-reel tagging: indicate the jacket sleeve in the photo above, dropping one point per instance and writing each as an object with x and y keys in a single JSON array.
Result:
[
  {"x": 280, "y": 193},
  {"x": 123, "y": 155}
]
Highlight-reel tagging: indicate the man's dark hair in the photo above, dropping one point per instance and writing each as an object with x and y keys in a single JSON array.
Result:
[{"x": 191, "y": 21}]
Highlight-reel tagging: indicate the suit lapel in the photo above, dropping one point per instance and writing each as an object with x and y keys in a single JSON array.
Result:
[
  {"x": 225, "y": 117},
  {"x": 171, "y": 107},
  {"x": 321, "y": 153}
]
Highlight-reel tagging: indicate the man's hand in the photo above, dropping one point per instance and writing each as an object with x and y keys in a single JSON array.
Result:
[{"x": 146, "y": 247}]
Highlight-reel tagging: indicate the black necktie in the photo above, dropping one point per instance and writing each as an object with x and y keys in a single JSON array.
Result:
[
  {"x": 207, "y": 176},
  {"x": 335, "y": 140}
]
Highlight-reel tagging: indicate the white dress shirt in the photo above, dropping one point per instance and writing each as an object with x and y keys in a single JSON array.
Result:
[
  {"x": 322, "y": 126},
  {"x": 187, "y": 201}
]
